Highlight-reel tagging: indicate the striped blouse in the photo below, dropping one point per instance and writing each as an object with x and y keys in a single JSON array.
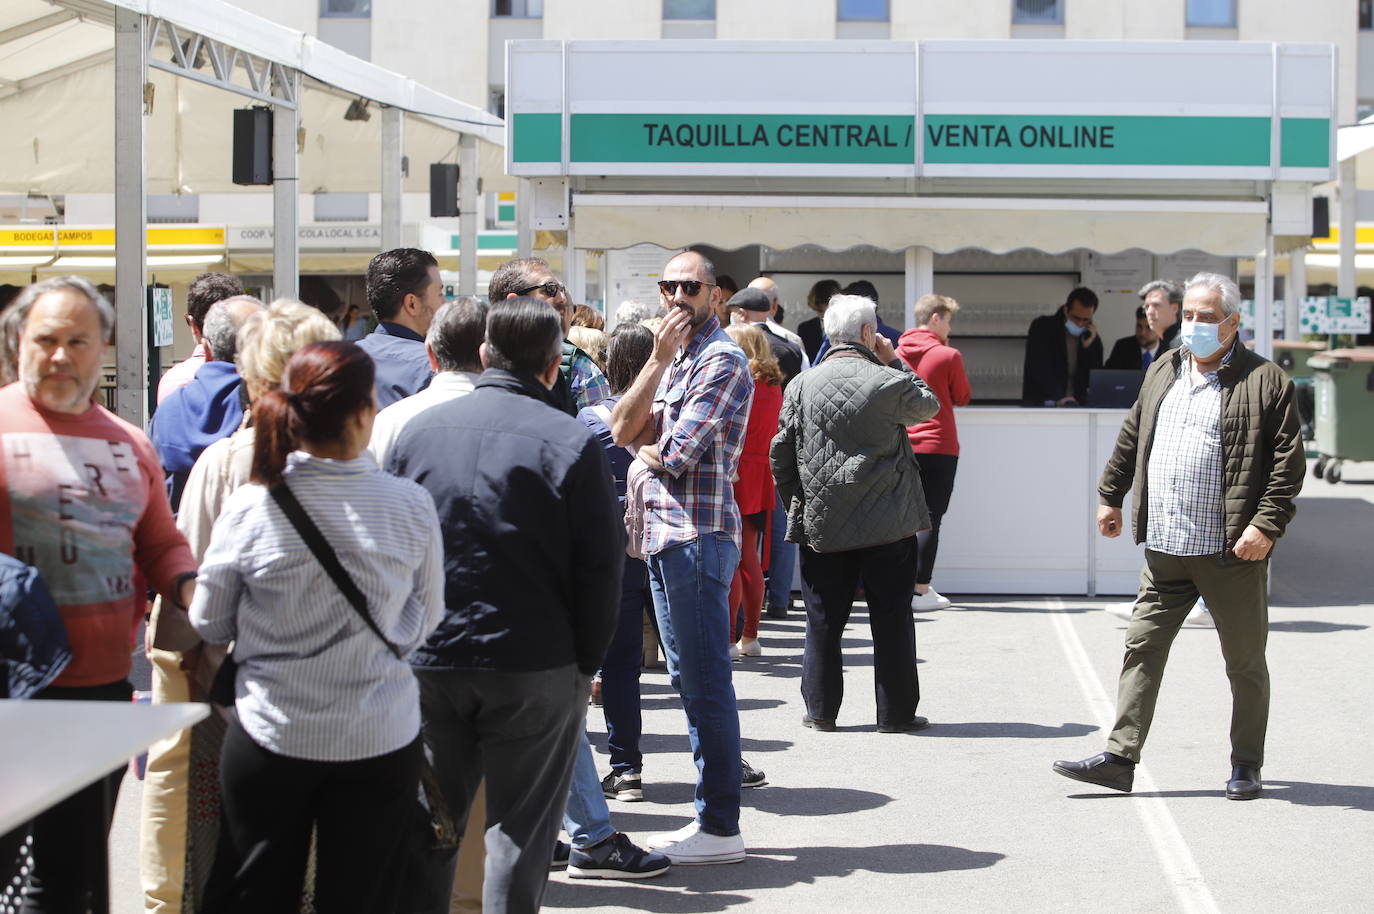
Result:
[{"x": 314, "y": 681}]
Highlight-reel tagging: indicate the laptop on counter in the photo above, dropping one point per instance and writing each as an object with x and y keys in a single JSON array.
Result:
[{"x": 1111, "y": 388}]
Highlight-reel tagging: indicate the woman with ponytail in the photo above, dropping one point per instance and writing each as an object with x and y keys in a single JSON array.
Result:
[{"x": 326, "y": 735}]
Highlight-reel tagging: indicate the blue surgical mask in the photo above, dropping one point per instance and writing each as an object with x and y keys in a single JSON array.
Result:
[
  {"x": 1074, "y": 329},
  {"x": 1201, "y": 339}
]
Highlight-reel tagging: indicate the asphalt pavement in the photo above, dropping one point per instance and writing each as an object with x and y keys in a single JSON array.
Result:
[{"x": 967, "y": 815}]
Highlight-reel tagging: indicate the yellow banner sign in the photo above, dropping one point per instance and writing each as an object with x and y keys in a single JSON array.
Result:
[
  {"x": 26, "y": 237},
  {"x": 199, "y": 236}
]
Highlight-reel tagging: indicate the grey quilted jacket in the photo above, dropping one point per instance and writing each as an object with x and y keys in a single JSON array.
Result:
[{"x": 842, "y": 459}]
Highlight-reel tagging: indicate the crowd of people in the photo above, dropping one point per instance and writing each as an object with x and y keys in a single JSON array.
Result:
[{"x": 397, "y": 564}]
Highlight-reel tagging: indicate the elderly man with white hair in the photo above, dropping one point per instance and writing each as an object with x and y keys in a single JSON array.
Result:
[
  {"x": 852, "y": 487},
  {"x": 1213, "y": 452}
]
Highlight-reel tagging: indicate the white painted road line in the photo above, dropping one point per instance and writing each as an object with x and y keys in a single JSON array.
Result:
[{"x": 1180, "y": 869}]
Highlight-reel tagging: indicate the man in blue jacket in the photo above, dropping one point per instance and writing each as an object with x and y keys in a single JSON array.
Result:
[
  {"x": 208, "y": 408},
  {"x": 405, "y": 291},
  {"x": 533, "y": 552}
]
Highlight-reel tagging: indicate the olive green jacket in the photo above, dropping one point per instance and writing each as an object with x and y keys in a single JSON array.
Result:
[{"x": 1262, "y": 453}]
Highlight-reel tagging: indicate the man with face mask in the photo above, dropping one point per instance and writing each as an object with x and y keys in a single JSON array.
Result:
[
  {"x": 1213, "y": 450},
  {"x": 1061, "y": 349}
]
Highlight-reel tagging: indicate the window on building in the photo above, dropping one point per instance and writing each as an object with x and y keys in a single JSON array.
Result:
[
  {"x": 346, "y": 9},
  {"x": 518, "y": 9},
  {"x": 1366, "y": 15},
  {"x": 1037, "y": 12},
  {"x": 689, "y": 9},
  {"x": 862, "y": 11},
  {"x": 1211, "y": 14}
]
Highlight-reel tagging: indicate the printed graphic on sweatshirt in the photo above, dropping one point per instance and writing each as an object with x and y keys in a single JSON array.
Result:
[{"x": 73, "y": 506}]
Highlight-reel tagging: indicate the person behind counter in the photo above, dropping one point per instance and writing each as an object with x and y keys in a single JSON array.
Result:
[
  {"x": 1140, "y": 349},
  {"x": 1061, "y": 348}
]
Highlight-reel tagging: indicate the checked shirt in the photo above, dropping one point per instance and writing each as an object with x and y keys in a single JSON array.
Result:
[
  {"x": 701, "y": 409},
  {"x": 1185, "y": 512}
]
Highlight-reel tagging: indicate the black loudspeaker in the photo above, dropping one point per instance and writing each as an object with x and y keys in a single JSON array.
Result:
[
  {"x": 253, "y": 145},
  {"x": 443, "y": 189},
  {"x": 1321, "y": 217}
]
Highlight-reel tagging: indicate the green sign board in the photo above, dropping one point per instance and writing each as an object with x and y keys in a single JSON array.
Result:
[{"x": 947, "y": 139}]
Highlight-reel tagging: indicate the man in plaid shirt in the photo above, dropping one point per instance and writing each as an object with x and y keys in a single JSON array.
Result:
[
  {"x": 1213, "y": 450},
  {"x": 687, "y": 412}
]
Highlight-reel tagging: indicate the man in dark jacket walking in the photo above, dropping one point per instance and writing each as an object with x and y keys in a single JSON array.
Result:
[
  {"x": 846, "y": 472},
  {"x": 1213, "y": 451},
  {"x": 533, "y": 551}
]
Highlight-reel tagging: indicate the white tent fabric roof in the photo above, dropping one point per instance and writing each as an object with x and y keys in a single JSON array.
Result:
[
  {"x": 944, "y": 224},
  {"x": 56, "y": 80}
]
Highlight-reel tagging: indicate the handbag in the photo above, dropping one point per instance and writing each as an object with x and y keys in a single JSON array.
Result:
[{"x": 444, "y": 832}]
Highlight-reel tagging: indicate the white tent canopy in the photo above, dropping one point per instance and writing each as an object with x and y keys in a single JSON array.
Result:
[{"x": 171, "y": 72}]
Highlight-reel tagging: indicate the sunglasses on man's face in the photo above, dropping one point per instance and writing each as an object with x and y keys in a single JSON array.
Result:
[
  {"x": 551, "y": 289},
  {"x": 690, "y": 287}
]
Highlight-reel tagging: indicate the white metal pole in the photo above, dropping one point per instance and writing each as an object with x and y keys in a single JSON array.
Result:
[
  {"x": 524, "y": 235},
  {"x": 393, "y": 144},
  {"x": 131, "y": 239},
  {"x": 1294, "y": 292},
  {"x": 1264, "y": 298},
  {"x": 1350, "y": 213},
  {"x": 286, "y": 244},
  {"x": 920, "y": 280},
  {"x": 467, "y": 214}
]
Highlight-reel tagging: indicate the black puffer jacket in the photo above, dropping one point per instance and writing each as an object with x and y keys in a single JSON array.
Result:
[{"x": 842, "y": 459}]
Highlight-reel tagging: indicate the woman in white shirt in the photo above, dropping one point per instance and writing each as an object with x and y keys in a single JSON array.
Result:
[{"x": 327, "y": 729}]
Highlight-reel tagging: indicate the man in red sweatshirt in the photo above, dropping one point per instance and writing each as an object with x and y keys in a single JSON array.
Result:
[
  {"x": 926, "y": 349},
  {"x": 82, "y": 500}
]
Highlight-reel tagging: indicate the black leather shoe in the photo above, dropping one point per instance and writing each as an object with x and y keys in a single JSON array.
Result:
[
  {"x": 824, "y": 726},
  {"x": 1099, "y": 770},
  {"x": 910, "y": 726},
  {"x": 776, "y": 611},
  {"x": 1245, "y": 783}
]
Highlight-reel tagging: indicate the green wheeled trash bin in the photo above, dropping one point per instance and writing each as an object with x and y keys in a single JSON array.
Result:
[{"x": 1344, "y": 381}]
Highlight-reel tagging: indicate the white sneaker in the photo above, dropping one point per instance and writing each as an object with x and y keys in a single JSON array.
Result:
[
  {"x": 660, "y": 841},
  {"x": 929, "y": 600},
  {"x": 734, "y": 652},
  {"x": 750, "y": 647},
  {"x": 702, "y": 848},
  {"x": 1121, "y": 610},
  {"x": 1200, "y": 616}
]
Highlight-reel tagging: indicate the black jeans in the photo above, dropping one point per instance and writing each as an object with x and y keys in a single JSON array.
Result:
[
  {"x": 71, "y": 865},
  {"x": 937, "y": 479},
  {"x": 620, "y": 671},
  {"x": 360, "y": 811},
  {"x": 828, "y": 583}
]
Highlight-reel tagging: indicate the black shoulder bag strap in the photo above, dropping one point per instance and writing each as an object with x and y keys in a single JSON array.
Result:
[{"x": 286, "y": 500}]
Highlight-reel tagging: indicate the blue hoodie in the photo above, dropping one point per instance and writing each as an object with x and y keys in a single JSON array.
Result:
[{"x": 193, "y": 418}]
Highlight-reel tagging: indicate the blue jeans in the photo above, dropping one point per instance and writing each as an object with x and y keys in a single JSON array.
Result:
[
  {"x": 691, "y": 588},
  {"x": 620, "y": 672},
  {"x": 782, "y": 559},
  {"x": 587, "y": 819}
]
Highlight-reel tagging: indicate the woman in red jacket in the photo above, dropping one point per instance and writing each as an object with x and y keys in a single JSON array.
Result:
[
  {"x": 936, "y": 441},
  {"x": 754, "y": 488}
]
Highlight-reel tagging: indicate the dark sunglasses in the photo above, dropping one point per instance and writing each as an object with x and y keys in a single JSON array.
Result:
[
  {"x": 690, "y": 287},
  {"x": 551, "y": 289}
]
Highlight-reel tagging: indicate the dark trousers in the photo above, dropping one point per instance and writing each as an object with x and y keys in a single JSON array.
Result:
[
  {"x": 1236, "y": 592},
  {"x": 70, "y": 849},
  {"x": 829, "y": 580},
  {"x": 937, "y": 480},
  {"x": 518, "y": 732},
  {"x": 359, "y": 810},
  {"x": 620, "y": 671}
]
